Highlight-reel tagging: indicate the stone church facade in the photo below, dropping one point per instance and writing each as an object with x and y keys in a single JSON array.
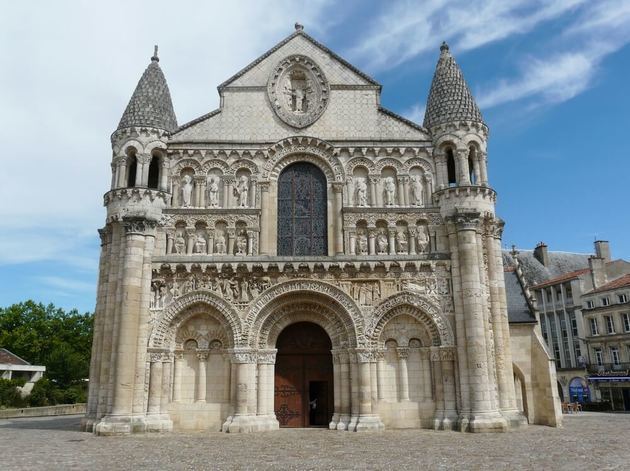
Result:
[{"x": 301, "y": 257}]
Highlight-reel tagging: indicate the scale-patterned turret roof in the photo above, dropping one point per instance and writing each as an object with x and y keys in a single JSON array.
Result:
[
  {"x": 150, "y": 104},
  {"x": 450, "y": 99}
]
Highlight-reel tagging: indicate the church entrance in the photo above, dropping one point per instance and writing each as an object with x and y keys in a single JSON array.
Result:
[{"x": 304, "y": 377}]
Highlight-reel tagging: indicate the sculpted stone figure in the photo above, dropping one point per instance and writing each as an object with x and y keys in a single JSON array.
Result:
[
  {"x": 416, "y": 190},
  {"x": 402, "y": 242},
  {"x": 363, "y": 243},
  {"x": 241, "y": 244},
  {"x": 200, "y": 244},
  {"x": 361, "y": 187},
  {"x": 390, "y": 191},
  {"x": 220, "y": 243},
  {"x": 422, "y": 239},
  {"x": 187, "y": 189},
  {"x": 180, "y": 243},
  {"x": 213, "y": 192},
  {"x": 381, "y": 242},
  {"x": 242, "y": 191}
]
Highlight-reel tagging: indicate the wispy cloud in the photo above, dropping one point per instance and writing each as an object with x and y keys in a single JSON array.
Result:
[
  {"x": 415, "y": 113},
  {"x": 407, "y": 30},
  {"x": 67, "y": 284}
]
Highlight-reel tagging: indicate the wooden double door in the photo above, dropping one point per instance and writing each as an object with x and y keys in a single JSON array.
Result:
[{"x": 303, "y": 393}]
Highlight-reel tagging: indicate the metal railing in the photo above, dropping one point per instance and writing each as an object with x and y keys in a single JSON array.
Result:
[{"x": 606, "y": 369}]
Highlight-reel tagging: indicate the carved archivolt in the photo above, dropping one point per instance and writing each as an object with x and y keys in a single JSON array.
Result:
[
  {"x": 215, "y": 163},
  {"x": 416, "y": 306},
  {"x": 243, "y": 164},
  {"x": 359, "y": 162},
  {"x": 304, "y": 149},
  {"x": 381, "y": 164},
  {"x": 327, "y": 296},
  {"x": 187, "y": 163},
  {"x": 418, "y": 162},
  {"x": 189, "y": 305}
]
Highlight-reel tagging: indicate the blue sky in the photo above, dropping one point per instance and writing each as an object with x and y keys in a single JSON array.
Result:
[{"x": 550, "y": 77}]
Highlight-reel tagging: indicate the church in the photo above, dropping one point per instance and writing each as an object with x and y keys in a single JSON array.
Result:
[{"x": 304, "y": 257}]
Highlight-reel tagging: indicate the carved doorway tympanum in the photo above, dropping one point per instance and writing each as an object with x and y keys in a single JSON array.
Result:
[{"x": 304, "y": 377}]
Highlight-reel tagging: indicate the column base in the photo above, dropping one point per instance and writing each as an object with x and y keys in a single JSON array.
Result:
[
  {"x": 352, "y": 424},
  {"x": 515, "y": 418},
  {"x": 251, "y": 423},
  {"x": 120, "y": 425},
  {"x": 447, "y": 420},
  {"x": 487, "y": 422},
  {"x": 333, "y": 422},
  {"x": 344, "y": 420},
  {"x": 88, "y": 424},
  {"x": 369, "y": 423},
  {"x": 159, "y": 423}
]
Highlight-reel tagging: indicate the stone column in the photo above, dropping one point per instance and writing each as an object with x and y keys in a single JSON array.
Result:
[
  {"x": 167, "y": 380},
  {"x": 253, "y": 193},
  {"x": 403, "y": 373},
  {"x": 405, "y": 191},
  {"x": 231, "y": 233},
  {"x": 155, "y": 384},
  {"x": 483, "y": 417},
  {"x": 436, "y": 366},
  {"x": 350, "y": 196},
  {"x": 139, "y": 232},
  {"x": 244, "y": 418},
  {"x": 336, "y": 391},
  {"x": 200, "y": 188},
  {"x": 374, "y": 382},
  {"x": 163, "y": 186},
  {"x": 114, "y": 181},
  {"x": 483, "y": 169},
  {"x": 190, "y": 241},
  {"x": 250, "y": 243},
  {"x": 392, "y": 241},
  {"x": 142, "y": 169},
  {"x": 374, "y": 200},
  {"x": 428, "y": 189},
  {"x": 176, "y": 202},
  {"x": 337, "y": 188},
  {"x": 202, "y": 384},
  {"x": 367, "y": 419},
  {"x": 178, "y": 367},
  {"x": 372, "y": 241},
  {"x": 412, "y": 240},
  {"x": 462, "y": 167},
  {"x": 447, "y": 357},
  {"x": 344, "y": 393},
  {"x": 266, "y": 416},
  {"x": 228, "y": 186},
  {"x": 266, "y": 229},
  {"x": 380, "y": 373},
  {"x": 354, "y": 392},
  {"x": 170, "y": 238},
  {"x": 353, "y": 242},
  {"x": 426, "y": 374},
  {"x": 401, "y": 192}
]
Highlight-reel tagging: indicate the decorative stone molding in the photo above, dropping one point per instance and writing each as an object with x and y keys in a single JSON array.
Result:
[
  {"x": 247, "y": 356},
  {"x": 267, "y": 357},
  {"x": 298, "y": 91},
  {"x": 138, "y": 225}
]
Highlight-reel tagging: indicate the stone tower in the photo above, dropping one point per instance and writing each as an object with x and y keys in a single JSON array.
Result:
[
  {"x": 134, "y": 205},
  {"x": 301, "y": 256},
  {"x": 467, "y": 204}
]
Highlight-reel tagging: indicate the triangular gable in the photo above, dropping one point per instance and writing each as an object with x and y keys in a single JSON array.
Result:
[{"x": 337, "y": 70}]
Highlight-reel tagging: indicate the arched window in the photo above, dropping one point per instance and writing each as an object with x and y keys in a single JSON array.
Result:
[
  {"x": 450, "y": 168},
  {"x": 154, "y": 172},
  {"x": 471, "y": 168},
  {"x": 302, "y": 201},
  {"x": 131, "y": 171}
]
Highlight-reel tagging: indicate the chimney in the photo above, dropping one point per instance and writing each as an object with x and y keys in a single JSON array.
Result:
[
  {"x": 541, "y": 254},
  {"x": 598, "y": 271},
  {"x": 602, "y": 250}
]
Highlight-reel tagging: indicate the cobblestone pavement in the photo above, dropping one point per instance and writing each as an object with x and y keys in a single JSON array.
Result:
[{"x": 587, "y": 441}]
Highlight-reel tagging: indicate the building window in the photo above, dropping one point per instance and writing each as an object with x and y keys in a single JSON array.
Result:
[
  {"x": 610, "y": 325},
  {"x": 594, "y": 330},
  {"x": 574, "y": 327},
  {"x": 614, "y": 355},
  {"x": 450, "y": 168},
  {"x": 598, "y": 356},
  {"x": 626, "y": 321},
  {"x": 154, "y": 172},
  {"x": 132, "y": 169},
  {"x": 548, "y": 292},
  {"x": 606, "y": 301},
  {"x": 590, "y": 305},
  {"x": 568, "y": 291},
  {"x": 623, "y": 298},
  {"x": 558, "y": 293}
]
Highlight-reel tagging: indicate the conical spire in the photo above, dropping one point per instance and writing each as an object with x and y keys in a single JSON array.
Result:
[
  {"x": 450, "y": 99},
  {"x": 150, "y": 104}
]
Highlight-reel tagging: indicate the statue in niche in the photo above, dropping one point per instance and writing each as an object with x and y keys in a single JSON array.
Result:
[
  {"x": 381, "y": 242},
  {"x": 180, "y": 243},
  {"x": 241, "y": 243},
  {"x": 363, "y": 243},
  {"x": 369, "y": 293},
  {"x": 416, "y": 190},
  {"x": 297, "y": 88},
  {"x": 390, "y": 191},
  {"x": 244, "y": 288},
  {"x": 241, "y": 191},
  {"x": 221, "y": 248},
  {"x": 213, "y": 192},
  {"x": 200, "y": 244},
  {"x": 402, "y": 242},
  {"x": 361, "y": 186},
  {"x": 422, "y": 239},
  {"x": 187, "y": 189}
]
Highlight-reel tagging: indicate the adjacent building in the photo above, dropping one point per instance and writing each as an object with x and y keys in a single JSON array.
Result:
[{"x": 14, "y": 367}]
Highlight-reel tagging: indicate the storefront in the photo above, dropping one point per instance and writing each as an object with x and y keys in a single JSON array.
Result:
[
  {"x": 614, "y": 388},
  {"x": 579, "y": 391}
]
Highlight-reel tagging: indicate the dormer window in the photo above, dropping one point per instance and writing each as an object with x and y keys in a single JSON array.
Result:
[
  {"x": 590, "y": 304},
  {"x": 623, "y": 298},
  {"x": 606, "y": 301}
]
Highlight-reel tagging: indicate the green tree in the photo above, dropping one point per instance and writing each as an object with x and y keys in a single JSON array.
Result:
[{"x": 49, "y": 336}]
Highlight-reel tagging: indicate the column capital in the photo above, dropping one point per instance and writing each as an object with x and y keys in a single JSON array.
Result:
[
  {"x": 267, "y": 357},
  {"x": 143, "y": 158},
  {"x": 138, "y": 225},
  {"x": 243, "y": 355},
  {"x": 447, "y": 353},
  {"x": 202, "y": 355},
  {"x": 363, "y": 355},
  {"x": 465, "y": 220},
  {"x": 402, "y": 352},
  {"x": 337, "y": 187},
  {"x": 105, "y": 234}
]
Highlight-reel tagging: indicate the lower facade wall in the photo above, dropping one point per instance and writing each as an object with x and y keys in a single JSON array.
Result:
[{"x": 198, "y": 417}]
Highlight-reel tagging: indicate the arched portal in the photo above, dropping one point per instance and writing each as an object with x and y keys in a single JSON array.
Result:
[
  {"x": 302, "y": 202},
  {"x": 303, "y": 376}
]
